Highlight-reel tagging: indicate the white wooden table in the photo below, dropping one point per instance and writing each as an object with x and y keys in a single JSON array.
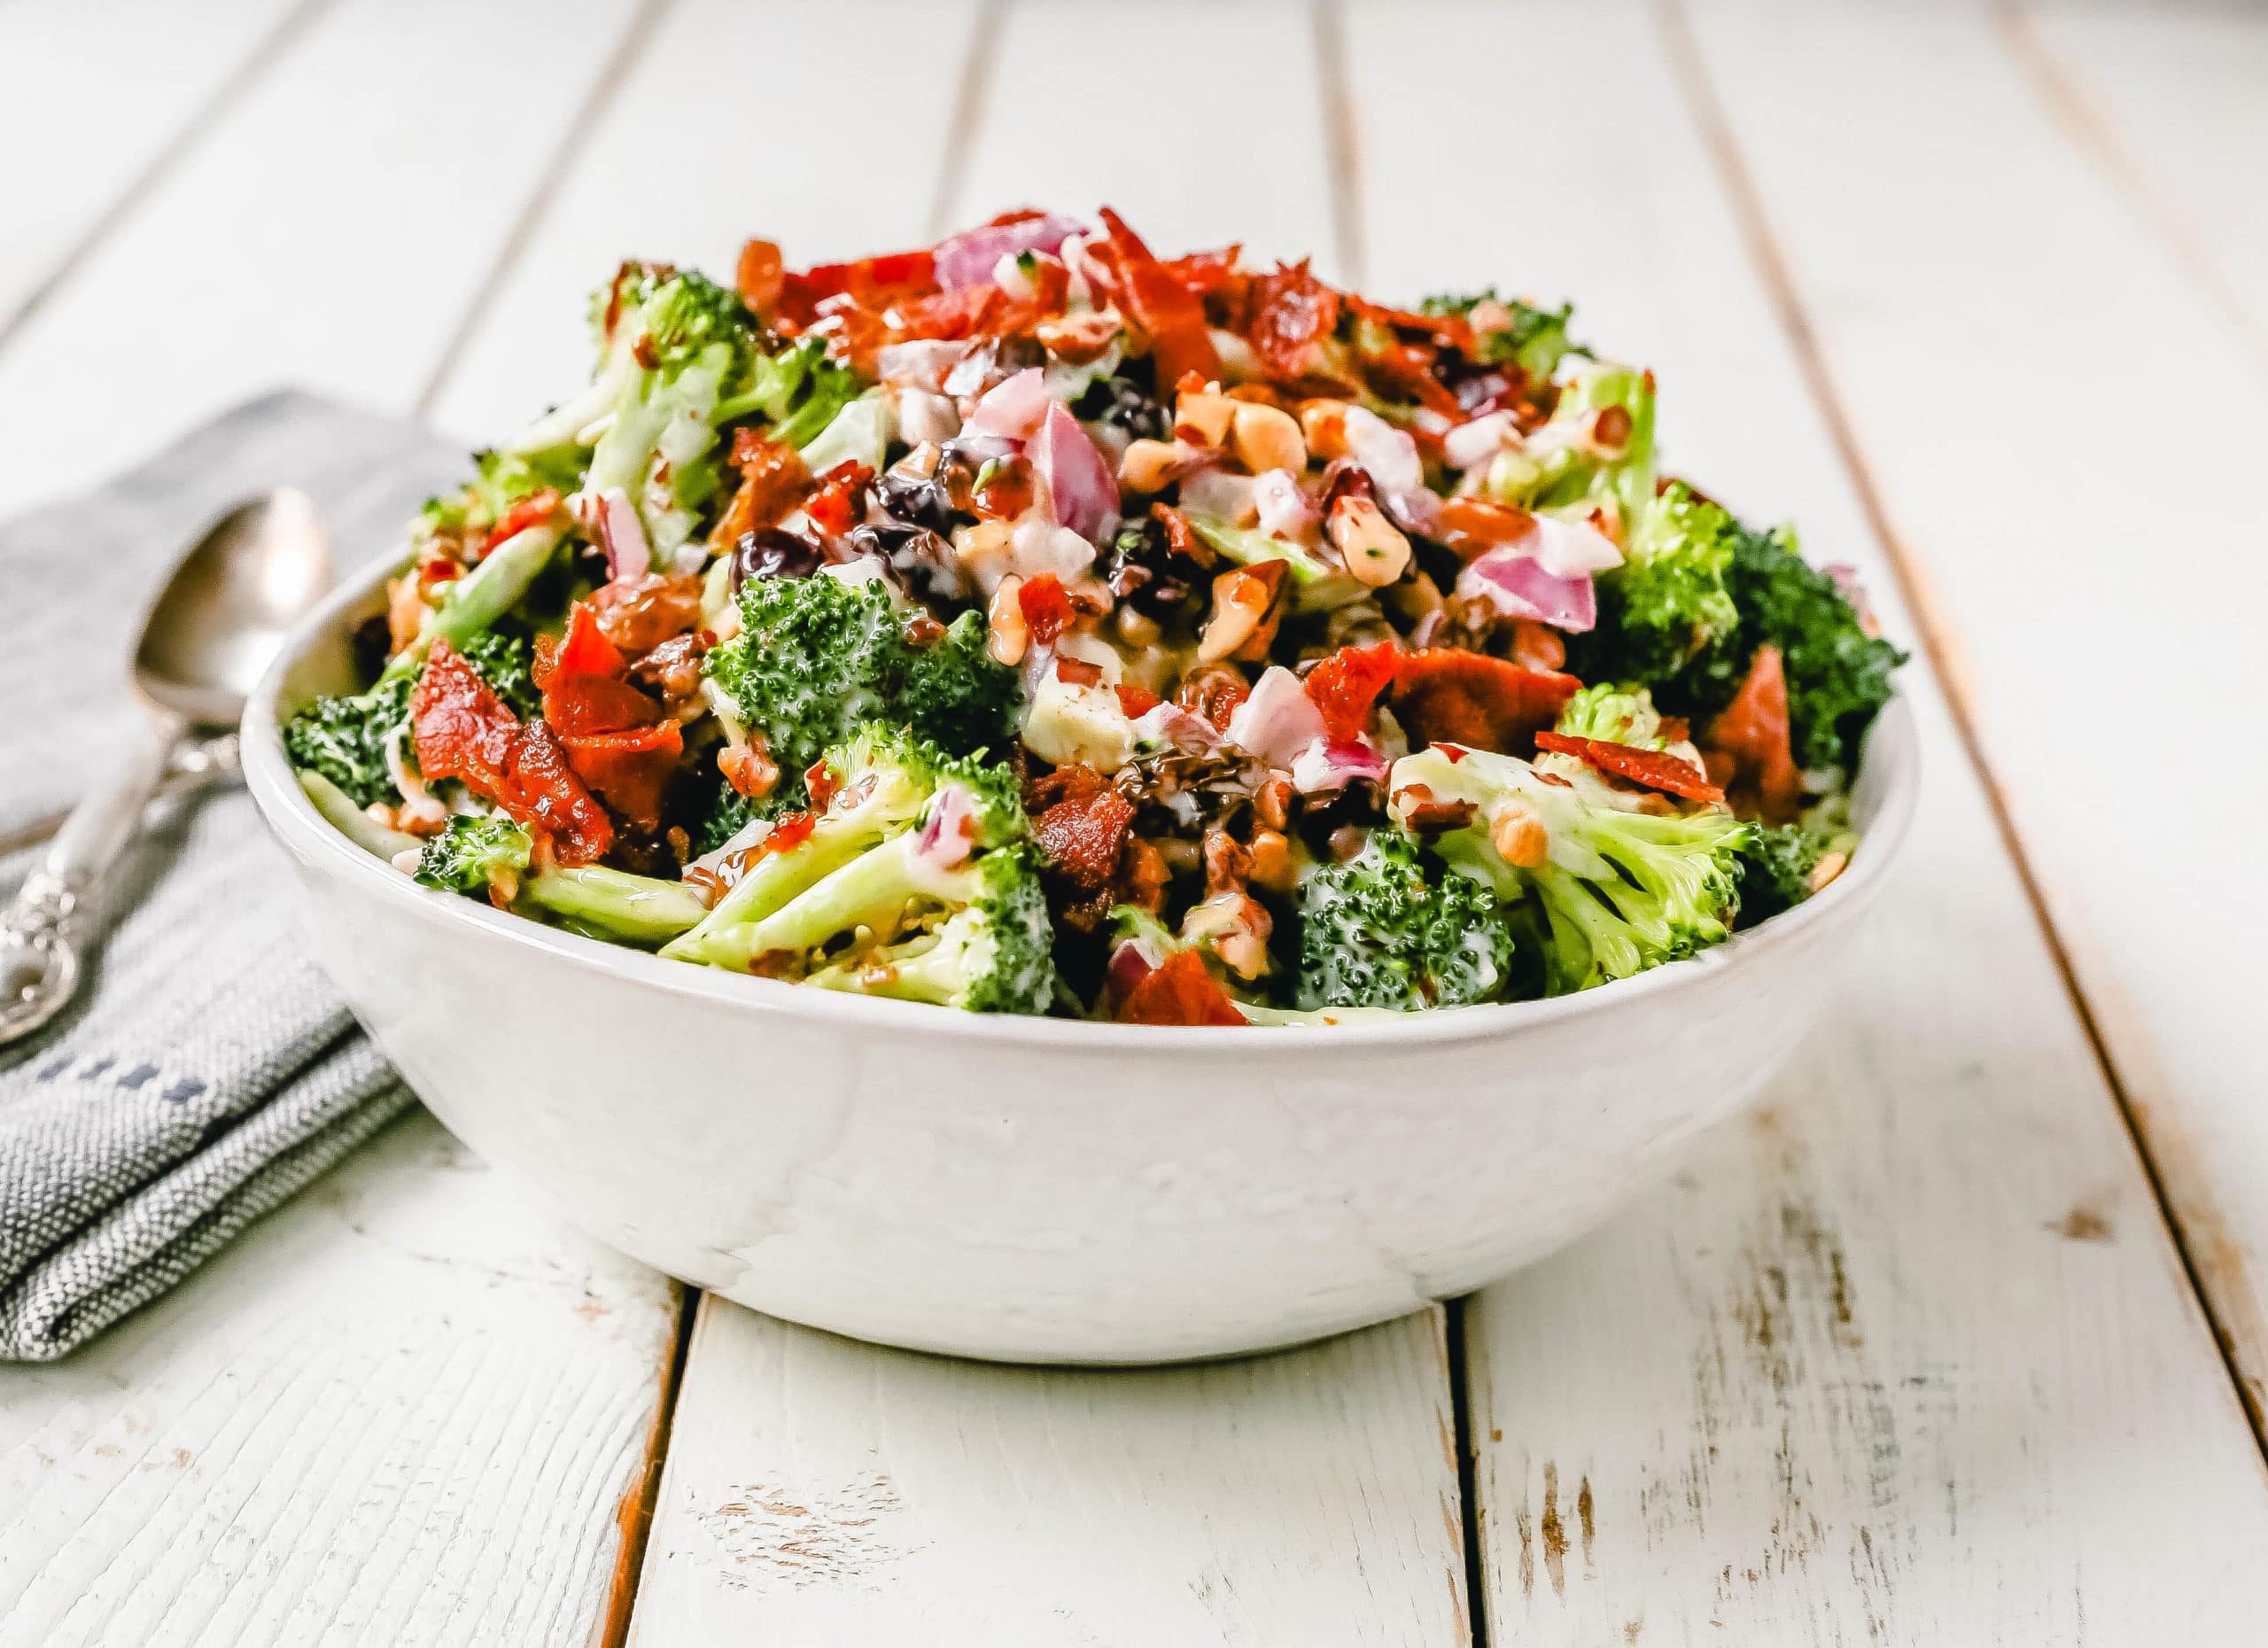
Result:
[{"x": 1959, "y": 1339}]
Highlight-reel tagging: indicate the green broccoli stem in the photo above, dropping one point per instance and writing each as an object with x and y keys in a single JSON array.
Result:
[
  {"x": 937, "y": 973},
  {"x": 614, "y": 904},
  {"x": 338, "y": 809},
  {"x": 1317, "y": 585},
  {"x": 772, "y": 881},
  {"x": 479, "y": 598},
  {"x": 873, "y": 890}
]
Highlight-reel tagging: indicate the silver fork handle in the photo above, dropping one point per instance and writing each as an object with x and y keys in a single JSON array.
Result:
[{"x": 49, "y": 922}]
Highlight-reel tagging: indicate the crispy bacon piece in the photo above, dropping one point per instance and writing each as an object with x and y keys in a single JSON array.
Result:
[
  {"x": 1655, "y": 769},
  {"x": 839, "y": 503},
  {"x": 629, "y": 768},
  {"x": 1445, "y": 695},
  {"x": 1180, "y": 992},
  {"x": 532, "y": 510},
  {"x": 1751, "y": 732},
  {"x": 462, "y": 730},
  {"x": 873, "y": 284},
  {"x": 1345, "y": 686},
  {"x": 639, "y": 615},
  {"x": 970, "y": 312},
  {"x": 1469, "y": 527},
  {"x": 577, "y": 704},
  {"x": 1136, "y": 701},
  {"x": 759, "y": 275},
  {"x": 1292, "y": 312},
  {"x": 1169, "y": 312},
  {"x": 1224, "y": 289},
  {"x": 772, "y": 481},
  {"x": 583, "y": 649},
  {"x": 1047, "y": 608},
  {"x": 1082, "y": 829},
  {"x": 1181, "y": 537}
]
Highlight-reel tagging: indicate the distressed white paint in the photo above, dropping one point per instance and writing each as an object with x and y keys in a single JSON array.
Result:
[
  {"x": 1909, "y": 1357},
  {"x": 2075, "y": 518},
  {"x": 819, "y": 1494},
  {"x": 328, "y": 230},
  {"x": 404, "y": 1409}
]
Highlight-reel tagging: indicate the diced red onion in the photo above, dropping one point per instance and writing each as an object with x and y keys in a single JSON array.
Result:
[
  {"x": 1517, "y": 586},
  {"x": 1472, "y": 444},
  {"x": 1131, "y": 962},
  {"x": 1084, "y": 491},
  {"x": 1567, "y": 549},
  {"x": 1171, "y": 724},
  {"x": 950, "y": 830},
  {"x": 1015, "y": 407},
  {"x": 1335, "y": 763},
  {"x": 1278, "y": 720},
  {"x": 1284, "y": 511},
  {"x": 966, "y": 259},
  {"x": 1388, "y": 454},
  {"x": 623, "y": 536}
]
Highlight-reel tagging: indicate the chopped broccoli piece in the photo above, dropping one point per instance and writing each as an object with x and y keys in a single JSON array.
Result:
[
  {"x": 1666, "y": 604},
  {"x": 506, "y": 660},
  {"x": 818, "y": 656},
  {"x": 475, "y": 854},
  {"x": 1615, "y": 715},
  {"x": 1774, "y": 872},
  {"x": 1535, "y": 341},
  {"x": 351, "y": 821},
  {"x": 471, "y": 604},
  {"x": 1619, "y": 890},
  {"x": 1317, "y": 585},
  {"x": 1389, "y": 928},
  {"x": 488, "y": 858},
  {"x": 501, "y": 479},
  {"x": 859, "y": 433},
  {"x": 1838, "y": 676},
  {"x": 345, "y": 738},
  {"x": 917, "y": 879},
  {"x": 797, "y": 391},
  {"x": 1596, "y": 447}
]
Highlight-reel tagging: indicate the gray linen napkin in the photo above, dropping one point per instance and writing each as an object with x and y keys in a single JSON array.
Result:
[{"x": 208, "y": 1070}]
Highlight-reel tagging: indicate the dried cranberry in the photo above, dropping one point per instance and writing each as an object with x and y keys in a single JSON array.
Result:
[{"x": 769, "y": 552}]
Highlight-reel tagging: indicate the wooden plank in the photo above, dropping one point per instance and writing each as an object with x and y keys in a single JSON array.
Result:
[
  {"x": 819, "y": 1493},
  {"x": 687, "y": 180},
  {"x": 1207, "y": 126},
  {"x": 403, "y": 1410},
  {"x": 2168, "y": 102},
  {"x": 103, "y": 97},
  {"x": 1906, "y": 1357},
  {"x": 328, "y": 231},
  {"x": 2037, "y": 516},
  {"x": 411, "y": 1407}
]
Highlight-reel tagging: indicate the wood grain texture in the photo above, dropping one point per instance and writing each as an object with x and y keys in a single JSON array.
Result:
[
  {"x": 2051, "y": 558},
  {"x": 103, "y": 97},
  {"x": 822, "y": 1494},
  {"x": 328, "y": 231},
  {"x": 1906, "y": 1357},
  {"x": 402, "y": 1411},
  {"x": 686, "y": 179}
]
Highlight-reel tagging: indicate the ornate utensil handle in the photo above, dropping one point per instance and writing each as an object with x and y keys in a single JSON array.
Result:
[{"x": 49, "y": 922}]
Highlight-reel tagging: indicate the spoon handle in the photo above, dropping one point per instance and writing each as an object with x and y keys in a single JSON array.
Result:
[{"x": 53, "y": 914}]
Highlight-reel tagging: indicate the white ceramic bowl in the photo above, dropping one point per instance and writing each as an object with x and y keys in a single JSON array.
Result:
[{"x": 1033, "y": 1189}]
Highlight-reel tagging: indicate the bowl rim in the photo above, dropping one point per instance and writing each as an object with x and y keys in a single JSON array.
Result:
[{"x": 312, "y": 838}]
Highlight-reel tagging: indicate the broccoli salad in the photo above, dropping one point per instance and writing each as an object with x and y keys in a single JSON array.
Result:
[{"x": 1032, "y": 624}]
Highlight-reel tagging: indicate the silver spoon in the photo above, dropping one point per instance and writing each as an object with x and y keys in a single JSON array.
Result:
[{"x": 215, "y": 624}]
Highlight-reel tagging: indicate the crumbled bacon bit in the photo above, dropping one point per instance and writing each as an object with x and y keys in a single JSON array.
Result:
[
  {"x": 1168, "y": 312},
  {"x": 773, "y": 479},
  {"x": 1084, "y": 836},
  {"x": 532, "y": 510},
  {"x": 1445, "y": 693},
  {"x": 751, "y": 771},
  {"x": 1077, "y": 671},
  {"x": 792, "y": 830},
  {"x": 1751, "y": 732},
  {"x": 1047, "y": 608},
  {"x": 1345, "y": 686},
  {"x": 640, "y": 615},
  {"x": 1179, "y": 992},
  {"x": 839, "y": 503},
  {"x": 1655, "y": 769},
  {"x": 629, "y": 769},
  {"x": 823, "y": 783},
  {"x": 1213, "y": 692},
  {"x": 1135, "y": 701},
  {"x": 1293, "y": 311}
]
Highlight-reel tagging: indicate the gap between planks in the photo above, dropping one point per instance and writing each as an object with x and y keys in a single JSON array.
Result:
[
  {"x": 1933, "y": 626},
  {"x": 634, "y": 1521},
  {"x": 180, "y": 143}
]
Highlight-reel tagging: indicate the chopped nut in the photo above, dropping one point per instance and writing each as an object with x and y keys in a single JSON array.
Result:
[
  {"x": 1519, "y": 836},
  {"x": 1324, "y": 424},
  {"x": 1270, "y": 855},
  {"x": 1009, "y": 633},
  {"x": 919, "y": 465},
  {"x": 1137, "y": 628},
  {"x": 1153, "y": 466},
  {"x": 1264, "y": 438},
  {"x": 1830, "y": 864},
  {"x": 1609, "y": 434},
  {"x": 1201, "y": 418},
  {"x": 1537, "y": 646},
  {"x": 1240, "y": 601},
  {"x": 1075, "y": 339},
  {"x": 1347, "y": 841},
  {"x": 1373, "y": 547},
  {"x": 1271, "y": 803}
]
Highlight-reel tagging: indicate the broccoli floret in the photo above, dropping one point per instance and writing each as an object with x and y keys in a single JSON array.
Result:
[
  {"x": 1774, "y": 872},
  {"x": 1619, "y": 890},
  {"x": 1596, "y": 447},
  {"x": 501, "y": 479},
  {"x": 475, "y": 855},
  {"x": 506, "y": 660},
  {"x": 797, "y": 391},
  {"x": 488, "y": 858},
  {"x": 819, "y": 657},
  {"x": 1667, "y": 603},
  {"x": 990, "y": 956},
  {"x": 918, "y": 879},
  {"x": 1535, "y": 341},
  {"x": 1615, "y": 715},
  {"x": 1838, "y": 676},
  {"x": 1388, "y": 928},
  {"x": 345, "y": 738}
]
